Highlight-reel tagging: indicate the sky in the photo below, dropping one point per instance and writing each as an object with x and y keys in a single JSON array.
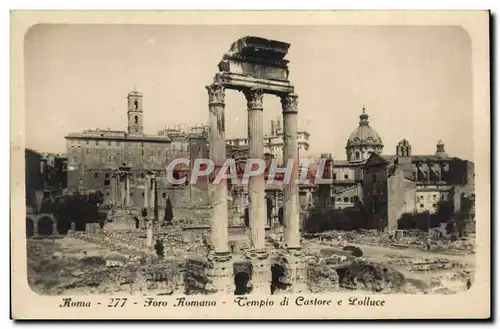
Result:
[{"x": 414, "y": 81}]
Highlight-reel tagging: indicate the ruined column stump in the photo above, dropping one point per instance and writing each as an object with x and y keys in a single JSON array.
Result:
[
  {"x": 261, "y": 267},
  {"x": 220, "y": 274},
  {"x": 292, "y": 260}
]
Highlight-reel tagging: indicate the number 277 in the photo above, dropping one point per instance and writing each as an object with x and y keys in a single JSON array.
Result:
[{"x": 117, "y": 302}]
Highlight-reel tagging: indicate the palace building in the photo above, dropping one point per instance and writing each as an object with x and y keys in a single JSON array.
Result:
[{"x": 93, "y": 155}]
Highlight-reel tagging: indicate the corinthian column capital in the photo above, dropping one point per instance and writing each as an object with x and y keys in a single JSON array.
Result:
[
  {"x": 254, "y": 98},
  {"x": 290, "y": 103},
  {"x": 216, "y": 93}
]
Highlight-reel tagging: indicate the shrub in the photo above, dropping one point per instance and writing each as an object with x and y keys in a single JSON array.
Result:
[{"x": 356, "y": 252}]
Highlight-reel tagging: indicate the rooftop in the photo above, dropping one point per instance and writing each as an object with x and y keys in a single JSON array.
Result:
[{"x": 108, "y": 134}]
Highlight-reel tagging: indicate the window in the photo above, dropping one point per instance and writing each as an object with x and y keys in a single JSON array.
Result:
[
  {"x": 164, "y": 194},
  {"x": 421, "y": 197},
  {"x": 87, "y": 151},
  {"x": 334, "y": 176},
  {"x": 346, "y": 199},
  {"x": 96, "y": 175},
  {"x": 142, "y": 175},
  {"x": 434, "y": 196},
  {"x": 357, "y": 155},
  {"x": 339, "y": 199},
  {"x": 352, "y": 200},
  {"x": 142, "y": 193},
  {"x": 421, "y": 205},
  {"x": 136, "y": 119},
  {"x": 96, "y": 142},
  {"x": 346, "y": 176},
  {"x": 106, "y": 175},
  {"x": 136, "y": 106},
  {"x": 107, "y": 193},
  {"x": 434, "y": 205},
  {"x": 142, "y": 144},
  {"x": 109, "y": 143},
  {"x": 87, "y": 142}
]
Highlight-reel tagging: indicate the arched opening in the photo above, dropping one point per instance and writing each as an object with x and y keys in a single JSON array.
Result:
[
  {"x": 278, "y": 279},
  {"x": 136, "y": 105},
  {"x": 29, "y": 227},
  {"x": 45, "y": 226},
  {"x": 136, "y": 119},
  {"x": 136, "y": 222},
  {"x": 241, "y": 283}
]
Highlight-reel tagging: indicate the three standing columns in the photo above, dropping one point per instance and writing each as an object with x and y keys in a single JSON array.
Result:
[
  {"x": 256, "y": 184},
  {"x": 291, "y": 229},
  {"x": 217, "y": 138},
  {"x": 257, "y": 207}
]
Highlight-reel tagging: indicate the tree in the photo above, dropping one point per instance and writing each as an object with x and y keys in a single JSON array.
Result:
[
  {"x": 269, "y": 204},
  {"x": 169, "y": 211}
]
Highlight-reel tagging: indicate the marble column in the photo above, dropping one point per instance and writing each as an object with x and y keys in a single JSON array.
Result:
[
  {"x": 152, "y": 195},
  {"x": 291, "y": 230},
  {"x": 276, "y": 205},
  {"x": 127, "y": 189},
  {"x": 35, "y": 227},
  {"x": 217, "y": 139},
  {"x": 113, "y": 189},
  {"x": 256, "y": 184},
  {"x": 122, "y": 190},
  {"x": 149, "y": 234},
  {"x": 146, "y": 187}
]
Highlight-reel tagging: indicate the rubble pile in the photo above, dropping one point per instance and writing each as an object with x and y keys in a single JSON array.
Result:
[
  {"x": 322, "y": 278},
  {"x": 195, "y": 277},
  {"x": 425, "y": 264},
  {"x": 400, "y": 239},
  {"x": 370, "y": 276},
  {"x": 461, "y": 246}
]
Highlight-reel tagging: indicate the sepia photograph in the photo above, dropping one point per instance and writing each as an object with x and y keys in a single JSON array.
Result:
[{"x": 178, "y": 163}]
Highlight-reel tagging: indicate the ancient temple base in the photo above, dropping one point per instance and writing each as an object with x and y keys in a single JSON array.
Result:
[{"x": 220, "y": 274}]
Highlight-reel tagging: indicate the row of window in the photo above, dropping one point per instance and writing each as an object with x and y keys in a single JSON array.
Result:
[
  {"x": 109, "y": 143},
  {"x": 107, "y": 175},
  {"x": 346, "y": 176},
  {"x": 151, "y": 152},
  {"x": 346, "y": 199},
  {"x": 163, "y": 195},
  {"x": 433, "y": 205},
  {"x": 443, "y": 197}
]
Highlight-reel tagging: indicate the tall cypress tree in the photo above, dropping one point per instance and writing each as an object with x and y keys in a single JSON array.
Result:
[{"x": 169, "y": 211}]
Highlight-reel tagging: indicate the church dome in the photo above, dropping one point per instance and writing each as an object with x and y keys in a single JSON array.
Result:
[
  {"x": 363, "y": 141},
  {"x": 364, "y": 134}
]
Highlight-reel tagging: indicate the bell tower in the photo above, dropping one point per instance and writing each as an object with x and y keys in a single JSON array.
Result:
[{"x": 134, "y": 112}]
